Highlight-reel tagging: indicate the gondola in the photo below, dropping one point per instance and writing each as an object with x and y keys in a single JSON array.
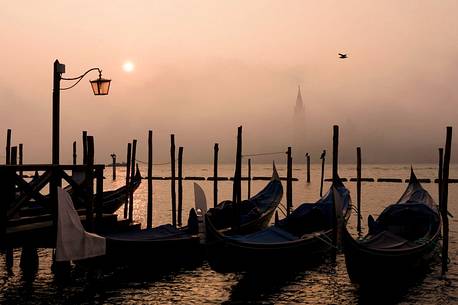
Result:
[
  {"x": 161, "y": 248},
  {"x": 300, "y": 239},
  {"x": 164, "y": 247},
  {"x": 111, "y": 200},
  {"x": 157, "y": 249},
  {"x": 400, "y": 242},
  {"x": 254, "y": 213},
  {"x": 174, "y": 247}
]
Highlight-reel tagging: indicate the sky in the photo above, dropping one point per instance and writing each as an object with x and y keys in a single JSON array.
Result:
[{"x": 203, "y": 68}]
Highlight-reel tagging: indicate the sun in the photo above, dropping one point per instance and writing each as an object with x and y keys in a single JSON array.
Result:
[{"x": 128, "y": 66}]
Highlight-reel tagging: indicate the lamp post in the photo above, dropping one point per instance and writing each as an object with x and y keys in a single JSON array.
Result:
[{"x": 99, "y": 86}]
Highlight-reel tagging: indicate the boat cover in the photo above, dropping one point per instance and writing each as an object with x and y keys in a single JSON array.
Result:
[
  {"x": 272, "y": 234},
  {"x": 404, "y": 224},
  {"x": 160, "y": 232},
  {"x": 308, "y": 218},
  {"x": 73, "y": 242}
]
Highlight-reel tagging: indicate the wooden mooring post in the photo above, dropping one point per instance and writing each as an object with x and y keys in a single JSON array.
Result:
[
  {"x": 440, "y": 176},
  {"x": 180, "y": 185},
  {"x": 323, "y": 159},
  {"x": 132, "y": 174},
  {"x": 236, "y": 189},
  {"x": 172, "y": 180},
  {"x": 99, "y": 195},
  {"x": 444, "y": 201},
  {"x": 14, "y": 155},
  {"x": 307, "y": 156},
  {"x": 128, "y": 161},
  {"x": 289, "y": 181},
  {"x": 84, "y": 147},
  {"x": 21, "y": 158},
  {"x": 90, "y": 184},
  {"x": 149, "y": 208},
  {"x": 335, "y": 177},
  {"x": 8, "y": 147},
  {"x": 249, "y": 178},
  {"x": 8, "y": 194},
  {"x": 74, "y": 153},
  {"x": 358, "y": 189},
  {"x": 113, "y": 157},
  {"x": 215, "y": 174}
]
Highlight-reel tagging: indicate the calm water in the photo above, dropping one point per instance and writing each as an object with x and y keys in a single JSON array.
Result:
[{"x": 324, "y": 284}]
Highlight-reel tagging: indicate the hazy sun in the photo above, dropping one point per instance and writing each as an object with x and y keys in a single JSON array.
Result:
[{"x": 128, "y": 66}]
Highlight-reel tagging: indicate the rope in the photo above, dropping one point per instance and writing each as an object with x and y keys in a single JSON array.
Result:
[
  {"x": 327, "y": 242},
  {"x": 355, "y": 209},
  {"x": 153, "y": 163},
  {"x": 264, "y": 154},
  {"x": 281, "y": 208}
]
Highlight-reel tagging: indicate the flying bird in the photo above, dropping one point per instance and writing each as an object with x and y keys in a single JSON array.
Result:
[{"x": 343, "y": 56}]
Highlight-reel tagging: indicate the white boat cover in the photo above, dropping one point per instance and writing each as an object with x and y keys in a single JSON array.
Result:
[{"x": 73, "y": 242}]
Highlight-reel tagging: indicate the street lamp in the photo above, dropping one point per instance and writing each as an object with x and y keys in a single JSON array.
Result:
[{"x": 99, "y": 86}]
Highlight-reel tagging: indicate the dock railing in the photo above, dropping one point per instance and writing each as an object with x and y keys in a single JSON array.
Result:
[{"x": 20, "y": 192}]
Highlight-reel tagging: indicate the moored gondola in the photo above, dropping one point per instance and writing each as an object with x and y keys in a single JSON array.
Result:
[
  {"x": 111, "y": 200},
  {"x": 253, "y": 214},
  {"x": 300, "y": 239},
  {"x": 399, "y": 244}
]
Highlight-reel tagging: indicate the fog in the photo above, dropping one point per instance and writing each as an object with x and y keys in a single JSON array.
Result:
[{"x": 203, "y": 68}]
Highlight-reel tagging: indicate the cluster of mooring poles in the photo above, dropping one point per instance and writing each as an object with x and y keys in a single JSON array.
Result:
[{"x": 29, "y": 258}]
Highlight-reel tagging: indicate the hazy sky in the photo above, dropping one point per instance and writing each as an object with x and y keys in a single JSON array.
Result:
[{"x": 204, "y": 67}]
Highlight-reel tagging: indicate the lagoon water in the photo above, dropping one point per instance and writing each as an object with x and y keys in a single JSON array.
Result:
[{"x": 327, "y": 283}]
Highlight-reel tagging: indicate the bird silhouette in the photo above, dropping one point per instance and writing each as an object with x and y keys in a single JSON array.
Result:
[{"x": 343, "y": 55}]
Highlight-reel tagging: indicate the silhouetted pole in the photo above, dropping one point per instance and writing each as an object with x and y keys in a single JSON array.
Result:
[
  {"x": 113, "y": 156},
  {"x": 239, "y": 164},
  {"x": 74, "y": 153},
  {"x": 335, "y": 175},
  {"x": 307, "y": 156},
  {"x": 236, "y": 189},
  {"x": 84, "y": 147},
  {"x": 215, "y": 174},
  {"x": 440, "y": 174},
  {"x": 289, "y": 182},
  {"x": 149, "y": 209},
  {"x": 14, "y": 155},
  {"x": 323, "y": 159},
  {"x": 128, "y": 161},
  {"x": 132, "y": 175},
  {"x": 9, "y": 258},
  {"x": 444, "y": 203},
  {"x": 180, "y": 185},
  {"x": 21, "y": 158},
  {"x": 58, "y": 69},
  {"x": 172, "y": 180},
  {"x": 335, "y": 153},
  {"x": 358, "y": 188},
  {"x": 8, "y": 147},
  {"x": 249, "y": 178},
  {"x": 90, "y": 182}
]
